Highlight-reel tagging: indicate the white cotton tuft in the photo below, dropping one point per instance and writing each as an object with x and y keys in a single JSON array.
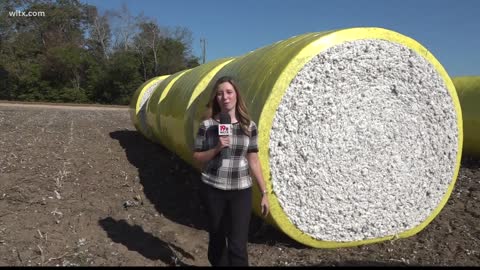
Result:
[{"x": 368, "y": 132}]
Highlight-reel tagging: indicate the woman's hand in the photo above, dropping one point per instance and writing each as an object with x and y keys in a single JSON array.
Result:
[
  {"x": 201, "y": 158},
  {"x": 256, "y": 170},
  {"x": 265, "y": 206},
  {"x": 223, "y": 141}
]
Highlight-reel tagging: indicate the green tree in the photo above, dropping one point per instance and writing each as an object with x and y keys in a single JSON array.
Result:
[
  {"x": 99, "y": 35},
  {"x": 120, "y": 79},
  {"x": 72, "y": 55}
]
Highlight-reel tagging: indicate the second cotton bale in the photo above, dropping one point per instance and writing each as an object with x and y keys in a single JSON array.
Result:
[{"x": 468, "y": 89}]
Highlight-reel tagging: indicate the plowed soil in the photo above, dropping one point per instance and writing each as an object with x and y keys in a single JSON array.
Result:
[{"x": 79, "y": 186}]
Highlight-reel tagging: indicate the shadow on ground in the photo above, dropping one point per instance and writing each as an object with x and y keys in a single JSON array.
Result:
[
  {"x": 169, "y": 183},
  {"x": 470, "y": 162},
  {"x": 362, "y": 263},
  {"x": 172, "y": 185},
  {"x": 136, "y": 239},
  {"x": 263, "y": 233}
]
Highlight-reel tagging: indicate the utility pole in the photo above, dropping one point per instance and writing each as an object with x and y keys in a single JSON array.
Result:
[{"x": 203, "y": 43}]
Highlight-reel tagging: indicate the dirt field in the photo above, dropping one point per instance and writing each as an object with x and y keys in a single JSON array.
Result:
[{"x": 80, "y": 186}]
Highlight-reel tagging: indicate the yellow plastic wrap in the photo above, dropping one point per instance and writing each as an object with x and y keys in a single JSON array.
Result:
[
  {"x": 138, "y": 110},
  {"x": 155, "y": 103},
  {"x": 263, "y": 77},
  {"x": 468, "y": 90},
  {"x": 176, "y": 103}
]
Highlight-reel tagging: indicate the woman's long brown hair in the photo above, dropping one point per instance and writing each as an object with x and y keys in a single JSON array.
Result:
[{"x": 241, "y": 112}]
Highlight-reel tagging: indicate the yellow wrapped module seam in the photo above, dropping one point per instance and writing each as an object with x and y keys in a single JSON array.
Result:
[
  {"x": 173, "y": 111},
  {"x": 155, "y": 103},
  {"x": 135, "y": 105}
]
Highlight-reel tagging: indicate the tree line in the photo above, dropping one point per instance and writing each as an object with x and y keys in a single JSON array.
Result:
[{"x": 76, "y": 54}]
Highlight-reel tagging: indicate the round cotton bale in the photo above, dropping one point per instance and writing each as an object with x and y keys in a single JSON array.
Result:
[
  {"x": 372, "y": 146},
  {"x": 468, "y": 90},
  {"x": 155, "y": 102},
  {"x": 360, "y": 134}
]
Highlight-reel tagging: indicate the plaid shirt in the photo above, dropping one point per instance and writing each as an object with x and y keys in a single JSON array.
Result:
[{"x": 232, "y": 173}]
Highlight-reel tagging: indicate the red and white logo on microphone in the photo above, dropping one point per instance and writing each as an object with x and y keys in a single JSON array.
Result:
[{"x": 224, "y": 129}]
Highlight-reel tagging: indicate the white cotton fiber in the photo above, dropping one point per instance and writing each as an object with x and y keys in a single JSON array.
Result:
[{"x": 368, "y": 132}]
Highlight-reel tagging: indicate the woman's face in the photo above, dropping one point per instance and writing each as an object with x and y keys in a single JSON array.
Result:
[{"x": 226, "y": 97}]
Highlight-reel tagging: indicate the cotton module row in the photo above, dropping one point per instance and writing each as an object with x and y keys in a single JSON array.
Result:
[{"x": 360, "y": 131}]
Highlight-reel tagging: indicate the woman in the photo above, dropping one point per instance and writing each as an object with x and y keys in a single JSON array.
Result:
[{"x": 226, "y": 184}]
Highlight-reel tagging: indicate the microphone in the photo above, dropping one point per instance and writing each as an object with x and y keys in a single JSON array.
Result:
[{"x": 225, "y": 129}]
